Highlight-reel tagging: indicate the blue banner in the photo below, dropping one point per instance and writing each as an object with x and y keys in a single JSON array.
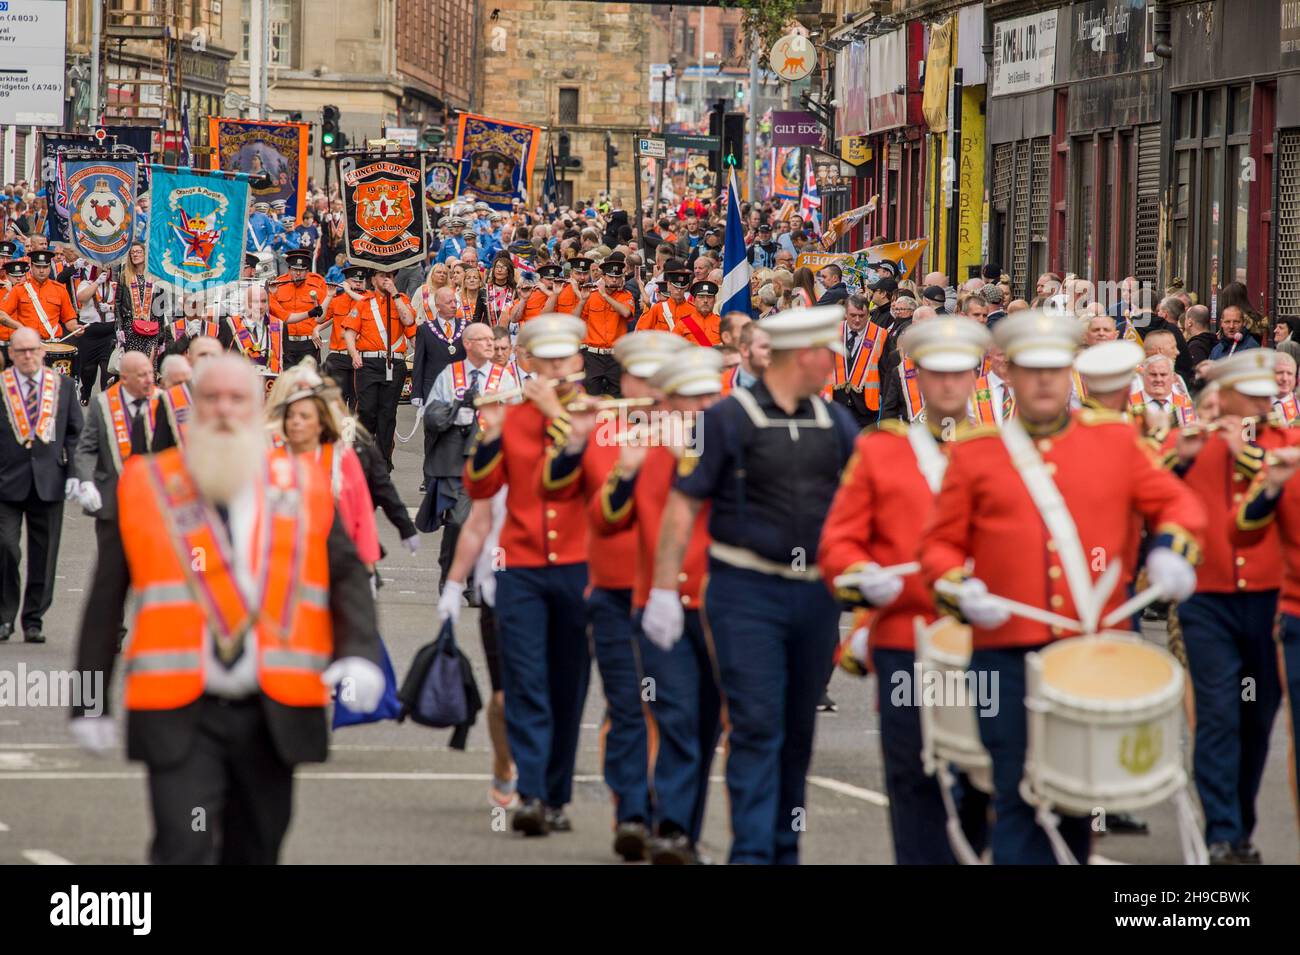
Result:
[
  {"x": 196, "y": 228},
  {"x": 101, "y": 208}
]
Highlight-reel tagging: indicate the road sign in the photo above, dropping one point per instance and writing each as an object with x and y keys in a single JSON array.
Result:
[
  {"x": 34, "y": 40},
  {"x": 705, "y": 144},
  {"x": 405, "y": 135},
  {"x": 655, "y": 148}
]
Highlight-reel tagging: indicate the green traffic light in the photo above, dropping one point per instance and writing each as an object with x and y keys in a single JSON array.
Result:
[{"x": 327, "y": 139}]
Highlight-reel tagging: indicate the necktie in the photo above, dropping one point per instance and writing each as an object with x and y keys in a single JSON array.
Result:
[
  {"x": 1008, "y": 402},
  {"x": 32, "y": 400},
  {"x": 473, "y": 379}
]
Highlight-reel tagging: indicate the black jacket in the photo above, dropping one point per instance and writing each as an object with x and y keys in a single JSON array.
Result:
[
  {"x": 93, "y": 460},
  {"x": 382, "y": 491},
  {"x": 892, "y": 404},
  {"x": 431, "y": 357},
  {"x": 834, "y": 295},
  {"x": 1199, "y": 347},
  {"x": 42, "y": 467},
  {"x": 1183, "y": 364}
]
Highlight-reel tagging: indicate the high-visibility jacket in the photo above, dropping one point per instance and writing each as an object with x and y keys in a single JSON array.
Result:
[{"x": 182, "y": 575}]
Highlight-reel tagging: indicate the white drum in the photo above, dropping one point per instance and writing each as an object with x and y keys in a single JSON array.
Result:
[
  {"x": 1105, "y": 724},
  {"x": 950, "y": 728}
]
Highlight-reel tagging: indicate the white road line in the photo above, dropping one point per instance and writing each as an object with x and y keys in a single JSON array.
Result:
[
  {"x": 1095, "y": 859},
  {"x": 3, "y": 827},
  {"x": 844, "y": 789},
  {"x": 38, "y": 745},
  {"x": 44, "y": 857},
  {"x": 74, "y": 590}
]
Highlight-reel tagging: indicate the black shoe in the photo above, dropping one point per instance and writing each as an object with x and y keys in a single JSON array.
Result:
[
  {"x": 630, "y": 840},
  {"x": 1222, "y": 853},
  {"x": 1126, "y": 823},
  {"x": 6, "y": 631},
  {"x": 557, "y": 820},
  {"x": 471, "y": 597},
  {"x": 1246, "y": 854},
  {"x": 672, "y": 850},
  {"x": 33, "y": 635},
  {"x": 423, "y": 487},
  {"x": 530, "y": 818},
  {"x": 827, "y": 705}
]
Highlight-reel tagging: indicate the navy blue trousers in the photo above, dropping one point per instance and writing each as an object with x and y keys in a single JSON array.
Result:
[
  {"x": 774, "y": 640},
  {"x": 687, "y": 710},
  {"x": 626, "y": 759},
  {"x": 1233, "y": 663},
  {"x": 916, "y": 815},
  {"x": 542, "y": 628},
  {"x": 1016, "y": 837},
  {"x": 1291, "y": 661}
]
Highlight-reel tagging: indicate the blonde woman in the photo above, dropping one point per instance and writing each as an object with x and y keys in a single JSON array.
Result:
[
  {"x": 422, "y": 301},
  {"x": 140, "y": 324},
  {"x": 470, "y": 303}
]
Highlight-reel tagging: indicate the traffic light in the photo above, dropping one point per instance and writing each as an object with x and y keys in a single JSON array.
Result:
[
  {"x": 611, "y": 152},
  {"x": 716, "y": 122},
  {"x": 329, "y": 127},
  {"x": 564, "y": 153},
  {"x": 733, "y": 140}
]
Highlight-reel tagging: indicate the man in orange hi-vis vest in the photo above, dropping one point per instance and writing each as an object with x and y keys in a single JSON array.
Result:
[{"x": 252, "y": 605}]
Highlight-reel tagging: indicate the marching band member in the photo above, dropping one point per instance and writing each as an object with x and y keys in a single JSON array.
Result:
[
  {"x": 768, "y": 464},
  {"x": 545, "y": 297},
  {"x": 998, "y": 530},
  {"x": 686, "y": 705},
  {"x": 40, "y": 303},
  {"x": 375, "y": 334},
  {"x": 96, "y": 302},
  {"x": 1228, "y": 623},
  {"x": 612, "y": 564},
  {"x": 449, "y": 422},
  {"x": 103, "y": 448},
  {"x": 36, "y": 452},
  {"x": 1285, "y": 406},
  {"x": 703, "y": 328},
  {"x": 540, "y": 608},
  {"x": 875, "y": 522},
  {"x": 606, "y": 312},
  {"x": 344, "y": 307},
  {"x": 574, "y": 294},
  {"x": 299, "y": 300},
  {"x": 668, "y": 312}
]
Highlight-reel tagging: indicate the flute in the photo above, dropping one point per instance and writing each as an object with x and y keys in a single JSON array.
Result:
[
  {"x": 510, "y": 393},
  {"x": 1198, "y": 429}
]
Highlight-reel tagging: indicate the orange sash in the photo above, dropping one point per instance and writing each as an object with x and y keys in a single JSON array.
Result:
[
  {"x": 699, "y": 334},
  {"x": 729, "y": 379},
  {"x": 114, "y": 409},
  {"x": 459, "y": 379},
  {"x": 981, "y": 403},
  {"x": 1288, "y": 407},
  {"x": 25, "y": 430},
  {"x": 864, "y": 373},
  {"x": 178, "y": 411},
  {"x": 191, "y": 526},
  {"x": 911, "y": 389}
]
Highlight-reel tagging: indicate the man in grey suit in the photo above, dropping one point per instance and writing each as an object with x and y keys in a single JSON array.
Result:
[
  {"x": 103, "y": 448},
  {"x": 449, "y": 421}
]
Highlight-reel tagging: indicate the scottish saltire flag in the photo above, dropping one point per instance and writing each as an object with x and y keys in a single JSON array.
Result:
[
  {"x": 734, "y": 294},
  {"x": 550, "y": 188},
  {"x": 101, "y": 208},
  {"x": 196, "y": 228},
  {"x": 810, "y": 203}
]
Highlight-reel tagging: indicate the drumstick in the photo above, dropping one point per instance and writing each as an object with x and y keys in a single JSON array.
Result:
[
  {"x": 1017, "y": 608},
  {"x": 1131, "y": 606},
  {"x": 899, "y": 570}
]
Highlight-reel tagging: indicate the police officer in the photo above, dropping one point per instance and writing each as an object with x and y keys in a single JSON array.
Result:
[{"x": 768, "y": 462}]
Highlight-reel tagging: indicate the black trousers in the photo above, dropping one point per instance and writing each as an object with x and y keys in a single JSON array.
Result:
[
  {"x": 604, "y": 374},
  {"x": 371, "y": 382},
  {"x": 44, "y": 520},
  {"x": 229, "y": 800},
  {"x": 390, "y": 396},
  {"x": 295, "y": 352},
  {"x": 94, "y": 349},
  {"x": 101, "y": 619},
  {"x": 339, "y": 367}
]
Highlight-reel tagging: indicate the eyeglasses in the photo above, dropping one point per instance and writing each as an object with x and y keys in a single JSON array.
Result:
[{"x": 25, "y": 351}]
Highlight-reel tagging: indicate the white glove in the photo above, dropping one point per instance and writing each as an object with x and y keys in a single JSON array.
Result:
[
  {"x": 88, "y": 496},
  {"x": 449, "y": 602},
  {"x": 879, "y": 589},
  {"x": 978, "y": 607},
  {"x": 71, "y": 487},
  {"x": 663, "y": 618},
  {"x": 411, "y": 543},
  {"x": 417, "y": 403},
  {"x": 121, "y": 337},
  {"x": 1175, "y": 577},
  {"x": 95, "y": 734},
  {"x": 359, "y": 683}
]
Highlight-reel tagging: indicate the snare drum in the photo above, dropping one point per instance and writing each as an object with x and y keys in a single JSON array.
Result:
[
  {"x": 950, "y": 731},
  {"x": 1105, "y": 724},
  {"x": 62, "y": 357}
]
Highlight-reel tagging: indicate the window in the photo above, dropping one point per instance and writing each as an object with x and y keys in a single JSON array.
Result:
[
  {"x": 568, "y": 106},
  {"x": 281, "y": 31},
  {"x": 728, "y": 42}
]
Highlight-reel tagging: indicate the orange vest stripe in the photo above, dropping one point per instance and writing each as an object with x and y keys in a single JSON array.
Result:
[
  {"x": 911, "y": 389},
  {"x": 982, "y": 403}
]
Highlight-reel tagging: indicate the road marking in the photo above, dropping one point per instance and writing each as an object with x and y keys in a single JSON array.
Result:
[
  {"x": 844, "y": 789},
  {"x": 74, "y": 590},
  {"x": 408, "y": 591},
  {"x": 1095, "y": 859},
  {"x": 44, "y": 857},
  {"x": 3, "y": 827},
  {"x": 21, "y": 746}
]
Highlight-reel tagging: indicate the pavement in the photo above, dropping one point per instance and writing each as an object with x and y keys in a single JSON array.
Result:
[{"x": 396, "y": 794}]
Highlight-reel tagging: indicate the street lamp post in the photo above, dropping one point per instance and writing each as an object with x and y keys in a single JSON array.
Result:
[{"x": 663, "y": 129}]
